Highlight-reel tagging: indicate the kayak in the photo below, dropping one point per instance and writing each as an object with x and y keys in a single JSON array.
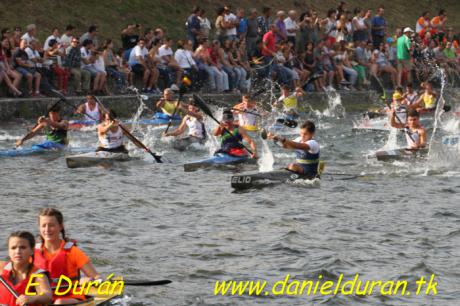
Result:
[
  {"x": 264, "y": 179},
  {"x": 42, "y": 148},
  {"x": 251, "y": 128},
  {"x": 95, "y": 159},
  {"x": 158, "y": 119},
  {"x": 400, "y": 154},
  {"x": 94, "y": 299},
  {"x": 181, "y": 144},
  {"x": 219, "y": 159}
]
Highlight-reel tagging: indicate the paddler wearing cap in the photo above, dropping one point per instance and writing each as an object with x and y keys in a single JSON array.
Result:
[
  {"x": 415, "y": 132},
  {"x": 193, "y": 120},
  {"x": 21, "y": 270},
  {"x": 231, "y": 143},
  {"x": 403, "y": 54},
  {"x": 247, "y": 113},
  {"x": 398, "y": 105},
  {"x": 54, "y": 127},
  {"x": 307, "y": 150},
  {"x": 90, "y": 109},
  {"x": 167, "y": 104}
]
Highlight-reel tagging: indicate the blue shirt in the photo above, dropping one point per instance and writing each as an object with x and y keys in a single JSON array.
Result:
[
  {"x": 243, "y": 27},
  {"x": 192, "y": 23},
  {"x": 378, "y": 21}
]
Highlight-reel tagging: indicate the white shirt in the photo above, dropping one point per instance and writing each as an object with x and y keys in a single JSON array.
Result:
[
  {"x": 85, "y": 54},
  {"x": 137, "y": 52},
  {"x": 46, "y": 44},
  {"x": 99, "y": 64},
  {"x": 33, "y": 54},
  {"x": 165, "y": 51},
  {"x": 290, "y": 25},
  {"x": 66, "y": 40},
  {"x": 230, "y": 18},
  {"x": 312, "y": 144},
  {"x": 184, "y": 58},
  {"x": 27, "y": 38}
]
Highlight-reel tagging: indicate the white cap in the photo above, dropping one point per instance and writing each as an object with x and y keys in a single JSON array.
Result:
[{"x": 407, "y": 30}]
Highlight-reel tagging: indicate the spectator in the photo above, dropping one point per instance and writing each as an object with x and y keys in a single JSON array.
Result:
[
  {"x": 330, "y": 26},
  {"x": 309, "y": 24},
  {"x": 99, "y": 65},
  {"x": 221, "y": 25},
  {"x": 342, "y": 28},
  {"x": 381, "y": 64},
  {"x": 27, "y": 69},
  {"x": 88, "y": 58},
  {"x": 55, "y": 55},
  {"x": 234, "y": 59},
  {"x": 30, "y": 34},
  {"x": 403, "y": 55},
  {"x": 129, "y": 38},
  {"x": 269, "y": 48},
  {"x": 281, "y": 33},
  {"x": 264, "y": 21},
  {"x": 252, "y": 32},
  {"x": 168, "y": 65},
  {"x": 438, "y": 23},
  {"x": 215, "y": 56},
  {"x": 360, "y": 30},
  {"x": 81, "y": 77},
  {"x": 232, "y": 23},
  {"x": 326, "y": 55},
  {"x": 4, "y": 70},
  {"x": 112, "y": 63},
  {"x": 66, "y": 38},
  {"x": 242, "y": 27},
  {"x": 90, "y": 35},
  {"x": 184, "y": 58},
  {"x": 16, "y": 38},
  {"x": 362, "y": 62},
  {"x": 341, "y": 9},
  {"x": 139, "y": 65},
  {"x": 205, "y": 25},
  {"x": 6, "y": 55},
  {"x": 312, "y": 64},
  {"x": 378, "y": 28},
  {"x": 54, "y": 35},
  {"x": 291, "y": 26},
  {"x": 194, "y": 26},
  {"x": 423, "y": 22},
  {"x": 215, "y": 76}
]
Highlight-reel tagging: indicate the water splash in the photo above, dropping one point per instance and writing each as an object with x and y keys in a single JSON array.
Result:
[
  {"x": 267, "y": 159},
  {"x": 335, "y": 108}
]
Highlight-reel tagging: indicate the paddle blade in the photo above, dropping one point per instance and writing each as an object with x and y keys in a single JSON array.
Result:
[
  {"x": 447, "y": 108},
  {"x": 157, "y": 157},
  {"x": 202, "y": 105},
  {"x": 263, "y": 134},
  {"x": 147, "y": 282}
]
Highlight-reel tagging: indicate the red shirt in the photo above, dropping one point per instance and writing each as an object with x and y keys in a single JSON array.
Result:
[{"x": 269, "y": 41}]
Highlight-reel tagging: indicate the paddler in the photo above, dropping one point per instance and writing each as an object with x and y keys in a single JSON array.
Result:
[
  {"x": 231, "y": 144},
  {"x": 415, "y": 132},
  {"x": 399, "y": 105},
  {"x": 427, "y": 100},
  {"x": 247, "y": 113},
  {"x": 54, "y": 128},
  {"x": 167, "y": 104},
  {"x": 18, "y": 272},
  {"x": 410, "y": 96},
  {"x": 110, "y": 134},
  {"x": 90, "y": 109},
  {"x": 59, "y": 255},
  {"x": 289, "y": 102},
  {"x": 193, "y": 120},
  {"x": 306, "y": 148}
]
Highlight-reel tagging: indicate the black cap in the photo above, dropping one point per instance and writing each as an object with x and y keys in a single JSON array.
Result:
[{"x": 227, "y": 115}]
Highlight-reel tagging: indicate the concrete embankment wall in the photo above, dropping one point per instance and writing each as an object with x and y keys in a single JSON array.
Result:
[{"x": 127, "y": 105}]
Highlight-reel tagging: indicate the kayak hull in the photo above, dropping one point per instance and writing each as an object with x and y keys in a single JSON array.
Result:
[
  {"x": 158, "y": 119},
  {"x": 101, "y": 158},
  {"x": 400, "y": 154},
  {"x": 220, "y": 159},
  {"x": 265, "y": 179},
  {"x": 39, "y": 150}
]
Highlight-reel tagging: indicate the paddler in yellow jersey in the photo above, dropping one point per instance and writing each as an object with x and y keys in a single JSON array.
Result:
[
  {"x": 110, "y": 134},
  {"x": 427, "y": 100},
  {"x": 415, "y": 132},
  {"x": 54, "y": 128},
  {"x": 167, "y": 104},
  {"x": 289, "y": 102},
  {"x": 247, "y": 113}
]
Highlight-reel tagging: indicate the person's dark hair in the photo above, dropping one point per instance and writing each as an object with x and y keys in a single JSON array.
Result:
[
  {"x": 442, "y": 12},
  {"x": 92, "y": 29},
  {"x": 180, "y": 44},
  {"x": 69, "y": 27},
  {"x": 357, "y": 11},
  {"x": 107, "y": 42},
  {"x": 399, "y": 88},
  {"x": 266, "y": 9},
  {"x": 157, "y": 42},
  {"x": 52, "y": 42},
  {"x": 309, "y": 126},
  {"x": 53, "y": 212},
  {"x": 409, "y": 85},
  {"x": 141, "y": 39},
  {"x": 30, "y": 239},
  {"x": 413, "y": 113},
  {"x": 330, "y": 12},
  {"x": 424, "y": 13},
  {"x": 4, "y": 30},
  {"x": 227, "y": 114},
  {"x": 53, "y": 107},
  {"x": 220, "y": 11},
  {"x": 87, "y": 42},
  {"x": 196, "y": 9}
]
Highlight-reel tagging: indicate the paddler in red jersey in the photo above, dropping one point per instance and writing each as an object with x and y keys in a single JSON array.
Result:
[
  {"x": 231, "y": 144},
  {"x": 18, "y": 272},
  {"x": 60, "y": 256}
]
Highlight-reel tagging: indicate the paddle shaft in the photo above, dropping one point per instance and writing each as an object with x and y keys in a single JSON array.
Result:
[
  {"x": 129, "y": 135},
  {"x": 10, "y": 289},
  {"x": 132, "y": 283}
]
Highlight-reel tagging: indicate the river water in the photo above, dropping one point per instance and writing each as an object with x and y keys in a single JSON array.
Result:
[{"x": 397, "y": 221}]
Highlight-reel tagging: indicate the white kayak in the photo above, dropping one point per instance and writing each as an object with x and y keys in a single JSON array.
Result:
[{"x": 90, "y": 159}]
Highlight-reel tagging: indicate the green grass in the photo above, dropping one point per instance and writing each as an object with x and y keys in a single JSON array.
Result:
[{"x": 112, "y": 16}]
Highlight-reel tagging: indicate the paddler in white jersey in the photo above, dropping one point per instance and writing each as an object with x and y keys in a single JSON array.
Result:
[
  {"x": 193, "y": 120},
  {"x": 415, "y": 132},
  {"x": 247, "y": 113},
  {"x": 110, "y": 134},
  {"x": 306, "y": 148},
  {"x": 90, "y": 109},
  {"x": 410, "y": 96},
  {"x": 167, "y": 104}
]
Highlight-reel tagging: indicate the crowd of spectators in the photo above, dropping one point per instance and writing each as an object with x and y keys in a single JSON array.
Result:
[{"x": 341, "y": 50}]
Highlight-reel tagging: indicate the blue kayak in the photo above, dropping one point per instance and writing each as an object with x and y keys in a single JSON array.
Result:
[
  {"x": 158, "y": 119},
  {"x": 219, "y": 159},
  {"x": 41, "y": 148}
]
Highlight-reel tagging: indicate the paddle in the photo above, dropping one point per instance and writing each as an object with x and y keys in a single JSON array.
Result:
[
  {"x": 181, "y": 94},
  {"x": 131, "y": 137},
  {"x": 202, "y": 105},
  {"x": 140, "y": 97},
  {"x": 9, "y": 288},
  {"x": 287, "y": 122},
  {"x": 137, "y": 283}
]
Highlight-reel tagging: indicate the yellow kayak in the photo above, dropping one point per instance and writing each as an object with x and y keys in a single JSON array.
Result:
[{"x": 251, "y": 128}]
